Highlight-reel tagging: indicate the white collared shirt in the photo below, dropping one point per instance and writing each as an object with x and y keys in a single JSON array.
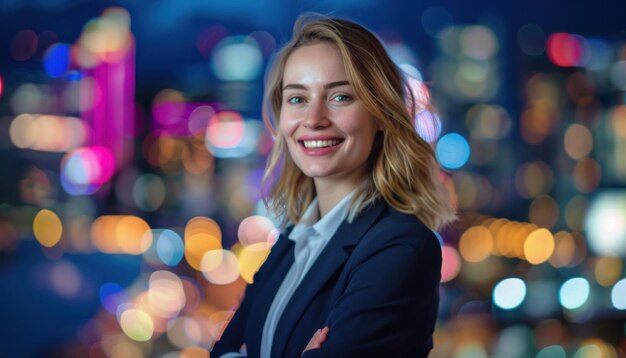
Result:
[{"x": 310, "y": 236}]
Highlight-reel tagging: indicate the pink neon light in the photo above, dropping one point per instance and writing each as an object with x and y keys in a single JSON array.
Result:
[{"x": 113, "y": 112}]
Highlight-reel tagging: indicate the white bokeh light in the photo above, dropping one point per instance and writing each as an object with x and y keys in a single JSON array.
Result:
[
  {"x": 605, "y": 224},
  {"x": 574, "y": 293},
  {"x": 618, "y": 294},
  {"x": 509, "y": 293}
]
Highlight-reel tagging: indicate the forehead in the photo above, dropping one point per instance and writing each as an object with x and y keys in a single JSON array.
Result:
[{"x": 319, "y": 61}]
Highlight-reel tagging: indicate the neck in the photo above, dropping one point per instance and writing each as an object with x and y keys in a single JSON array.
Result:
[{"x": 329, "y": 194}]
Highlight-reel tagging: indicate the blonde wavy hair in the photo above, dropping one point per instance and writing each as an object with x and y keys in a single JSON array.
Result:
[{"x": 402, "y": 167}]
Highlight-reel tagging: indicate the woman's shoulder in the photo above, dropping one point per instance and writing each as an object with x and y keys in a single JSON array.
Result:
[{"x": 394, "y": 227}]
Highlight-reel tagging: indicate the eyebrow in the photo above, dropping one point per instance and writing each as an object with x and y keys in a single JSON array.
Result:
[{"x": 326, "y": 86}]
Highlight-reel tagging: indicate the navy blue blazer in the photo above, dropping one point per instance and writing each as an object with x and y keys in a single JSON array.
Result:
[{"x": 375, "y": 285}]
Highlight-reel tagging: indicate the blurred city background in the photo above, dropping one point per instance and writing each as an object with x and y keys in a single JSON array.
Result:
[{"x": 132, "y": 151}]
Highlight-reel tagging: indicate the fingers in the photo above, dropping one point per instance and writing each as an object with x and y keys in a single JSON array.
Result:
[
  {"x": 318, "y": 338},
  {"x": 321, "y": 338}
]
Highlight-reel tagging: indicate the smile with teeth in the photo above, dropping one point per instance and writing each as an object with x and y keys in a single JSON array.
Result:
[{"x": 320, "y": 143}]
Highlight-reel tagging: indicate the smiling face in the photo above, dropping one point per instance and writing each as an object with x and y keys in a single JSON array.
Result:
[{"x": 328, "y": 131}]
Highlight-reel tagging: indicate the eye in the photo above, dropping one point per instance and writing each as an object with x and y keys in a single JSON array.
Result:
[
  {"x": 341, "y": 98},
  {"x": 295, "y": 100}
]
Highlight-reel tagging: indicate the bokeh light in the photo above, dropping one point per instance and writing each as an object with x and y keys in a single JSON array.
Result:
[
  {"x": 47, "y": 228},
  {"x": 121, "y": 234},
  {"x": 543, "y": 211},
  {"x": 574, "y": 293},
  {"x": 452, "y": 151},
  {"x": 257, "y": 229},
  {"x": 137, "y": 324},
  {"x": 618, "y": 295},
  {"x": 564, "y": 249},
  {"x": 605, "y": 224},
  {"x": 85, "y": 169},
  {"x": 595, "y": 348},
  {"x": 149, "y": 192},
  {"x": 538, "y": 246},
  {"x": 533, "y": 179},
  {"x": 564, "y": 49},
  {"x": 551, "y": 352},
  {"x": 509, "y": 293},
  {"x": 57, "y": 60},
  {"x": 237, "y": 58},
  {"x": 166, "y": 297},
  {"x": 476, "y": 244},
  {"x": 220, "y": 267},
  {"x": 479, "y": 42},
  {"x": 608, "y": 270},
  {"x": 578, "y": 141},
  {"x": 170, "y": 247},
  {"x": 250, "y": 258},
  {"x": 184, "y": 332},
  {"x": 488, "y": 122},
  {"x": 66, "y": 279},
  {"x": 31, "y": 98},
  {"x": 47, "y": 132},
  {"x": 201, "y": 236},
  {"x": 105, "y": 39},
  {"x": 225, "y": 129},
  {"x": 451, "y": 263},
  {"x": 112, "y": 295},
  {"x": 587, "y": 175},
  {"x": 133, "y": 235}
]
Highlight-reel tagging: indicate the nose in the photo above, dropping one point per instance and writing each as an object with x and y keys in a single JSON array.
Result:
[{"x": 316, "y": 115}]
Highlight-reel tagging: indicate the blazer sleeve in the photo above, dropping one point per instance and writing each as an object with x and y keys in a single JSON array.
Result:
[
  {"x": 232, "y": 337},
  {"x": 389, "y": 304}
]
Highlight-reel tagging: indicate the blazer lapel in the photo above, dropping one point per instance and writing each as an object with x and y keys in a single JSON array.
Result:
[
  {"x": 279, "y": 261},
  {"x": 330, "y": 260}
]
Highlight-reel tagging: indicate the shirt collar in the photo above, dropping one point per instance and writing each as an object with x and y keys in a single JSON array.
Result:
[{"x": 325, "y": 226}]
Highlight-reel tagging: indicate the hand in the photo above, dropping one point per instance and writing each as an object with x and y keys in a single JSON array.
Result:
[{"x": 318, "y": 338}]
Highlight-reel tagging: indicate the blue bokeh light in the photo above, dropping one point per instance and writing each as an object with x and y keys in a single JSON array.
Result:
[
  {"x": 170, "y": 247},
  {"x": 452, "y": 151},
  {"x": 57, "y": 60},
  {"x": 111, "y": 296}
]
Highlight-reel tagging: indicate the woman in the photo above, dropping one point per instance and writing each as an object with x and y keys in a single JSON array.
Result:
[{"x": 358, "y": 274}]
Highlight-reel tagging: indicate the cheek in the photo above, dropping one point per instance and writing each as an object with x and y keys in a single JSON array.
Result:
[{"x": 285, "y": 126}]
